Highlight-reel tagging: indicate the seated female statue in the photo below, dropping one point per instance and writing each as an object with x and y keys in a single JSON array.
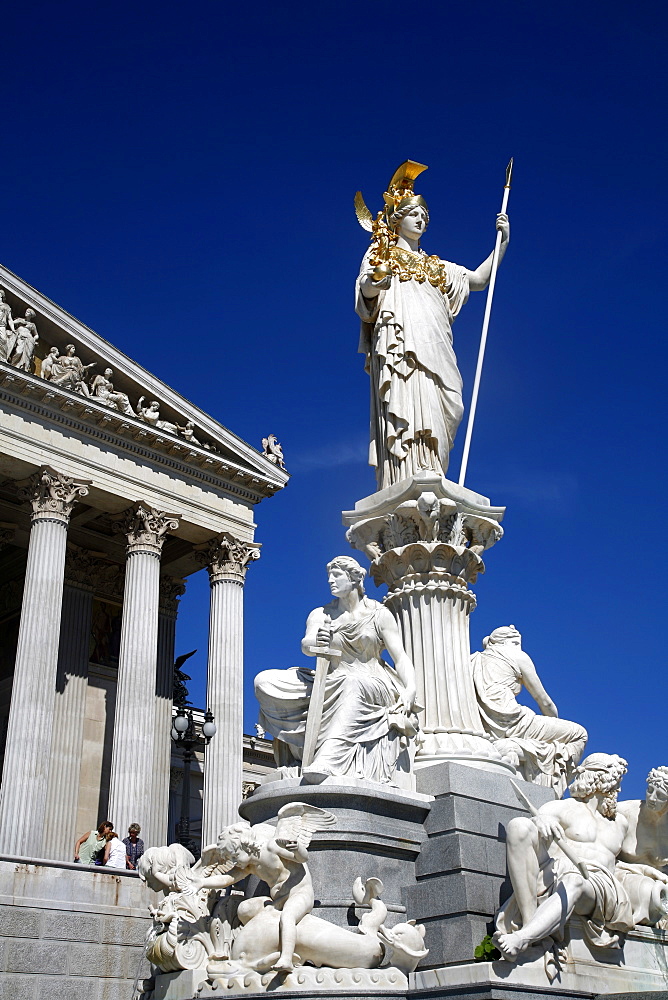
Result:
[{"x": 368, "y": 717}]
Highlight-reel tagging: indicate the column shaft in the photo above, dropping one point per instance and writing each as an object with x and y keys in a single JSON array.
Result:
[
  {"x": 132, "y": 753},
  {"x": 162, "y": 748},
  {"x": 132, "y": 756},
  {"x": 68, "y": 723},
  {"x": 223, "y": 762},
  {"x": 25, "y": 771}
]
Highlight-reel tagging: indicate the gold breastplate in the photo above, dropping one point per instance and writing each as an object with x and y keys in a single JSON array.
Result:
[{"x": 409, "y": 266}]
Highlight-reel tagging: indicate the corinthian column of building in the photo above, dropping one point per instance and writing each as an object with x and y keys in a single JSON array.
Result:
[
  {"x": 170, "y": 591},
  {"x": 227, "y": 560},
  {"x": 424, "y": 537},
  {"x": 70, "y": 704},
  {"x": 26, "y": 768},
  {"x": 130, "y": 787}
]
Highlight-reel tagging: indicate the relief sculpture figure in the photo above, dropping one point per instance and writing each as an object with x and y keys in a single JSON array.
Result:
[
  {"x": 407, "y": 302},
  {"x": 25, "y": 339},
  {"x": 7, "y": 335},
  {"x": 69, "y": 371},
  {"x": 642, "y": 866},
  {"x": 368, "y": 717},
  {"x": 103, "y": 389},
  {"x": 544, "y": 747}
]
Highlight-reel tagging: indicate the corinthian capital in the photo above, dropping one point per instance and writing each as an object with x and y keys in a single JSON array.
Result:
[
  {"x": 145, "y": 528},
  {"x": 52, "y": 495},
  {"x": 227, "y": 558}
]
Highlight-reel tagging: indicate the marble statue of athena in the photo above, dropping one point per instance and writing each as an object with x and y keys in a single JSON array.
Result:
[{"x": 407, "y": 302}]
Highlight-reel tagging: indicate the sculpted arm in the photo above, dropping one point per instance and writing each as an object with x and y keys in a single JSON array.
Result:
[
  {"x": 533, "y": 684},
  {"x": 402, "y": 663},
  {"x": 315, "y": 631},
  {"x": 479, "y": 279}
]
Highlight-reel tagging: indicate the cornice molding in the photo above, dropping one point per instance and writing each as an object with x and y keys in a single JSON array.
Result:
[{"x": 32, "y": 394}]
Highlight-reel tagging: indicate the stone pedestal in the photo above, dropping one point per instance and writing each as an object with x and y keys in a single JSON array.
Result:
[
  {"x": 425, "y": 537},
  {"x": 26, "y": 767},
  {"x": 132, "y": 754},
  {"x": 227, "y": 559},
  {"x": 461, "y": 872},
  {"x": 379, "y": 832}
]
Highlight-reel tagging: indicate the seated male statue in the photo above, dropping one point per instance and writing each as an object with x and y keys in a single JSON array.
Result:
[
  {"x": 643, "y": 859},
  {"x": 544, "y": 747},
  {"x": 549, "y": 887}
]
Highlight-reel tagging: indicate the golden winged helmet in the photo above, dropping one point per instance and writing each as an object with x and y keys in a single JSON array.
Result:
[{"x": 399, "y": 194}]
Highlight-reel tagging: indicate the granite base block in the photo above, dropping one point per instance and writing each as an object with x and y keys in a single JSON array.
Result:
[
  {"x": 379, "y": 832},
  {"x": 460, "y": 874},
  {"x": 70, "y": 931}
]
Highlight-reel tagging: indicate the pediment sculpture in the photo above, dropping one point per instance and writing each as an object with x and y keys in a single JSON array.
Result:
[{"x": 65, "y": 369}]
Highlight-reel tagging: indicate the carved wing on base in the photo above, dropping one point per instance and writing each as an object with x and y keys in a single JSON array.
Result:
[{"x": 297, "y": 822}]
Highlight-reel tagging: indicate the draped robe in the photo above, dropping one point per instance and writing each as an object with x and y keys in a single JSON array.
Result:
[
  {"x": 361, "y": 730},
  {"x": 416, "y": 388}
]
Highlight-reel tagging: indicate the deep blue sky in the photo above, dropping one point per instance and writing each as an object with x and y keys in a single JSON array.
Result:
[{"x": 180, "y": 177}]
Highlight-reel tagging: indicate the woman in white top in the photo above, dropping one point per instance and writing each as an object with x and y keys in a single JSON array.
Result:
[{"x": 114, "y": 852}]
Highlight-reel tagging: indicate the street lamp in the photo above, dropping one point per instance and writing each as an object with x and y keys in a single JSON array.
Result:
[{"x": 186, "y": 735}]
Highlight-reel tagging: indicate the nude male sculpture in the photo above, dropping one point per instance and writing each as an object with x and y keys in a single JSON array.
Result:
[{"x": 548, "y": 887}]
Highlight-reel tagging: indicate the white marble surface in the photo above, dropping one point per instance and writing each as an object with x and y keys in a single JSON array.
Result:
[
  {"x": 544, "y": 748},
  {"x": 369, "y": 720},
  {"x": 583, "y": 836}
]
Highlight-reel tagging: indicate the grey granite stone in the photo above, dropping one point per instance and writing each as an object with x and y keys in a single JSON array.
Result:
[
  {"x": 33, "y": 956},
  {"x": 18, "y": 987},
  {"x": 454, "y": 850},
  {"x": 65, "y": 988},
  {"x": 123, "y": 930},
  {"x": 72, "y": 926},
  {"x": 20, "y": 922},
  {"x": 108, "y": 961},
  {"x": 379, "y": 832},
  {"x": 115, "y": 989},
  {"x": 475, "y": 783},
  {"x": 453, "y": 940}
]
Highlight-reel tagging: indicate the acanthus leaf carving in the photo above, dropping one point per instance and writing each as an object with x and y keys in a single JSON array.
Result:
[
  {"x": 53, "y": 494},
  {"x": 80, "y": 567},
  {"x": 146, "y": 527},
  {"x": 228, "y": 558},
  {"x": 171, "y": 589}
]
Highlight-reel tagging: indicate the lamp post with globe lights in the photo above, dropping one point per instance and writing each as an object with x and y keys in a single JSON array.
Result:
[{"x": 190, "y": 737}]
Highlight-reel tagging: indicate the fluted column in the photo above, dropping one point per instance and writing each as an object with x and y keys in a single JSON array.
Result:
[
  {"x": 30, "y": 725},
  {"x": 427, "y": 549},
  {"x": 227, "y": 561},
  {"x": 70, "y": 705},
  {"x": 170, "y": 591},
  {"x": 130, "y": 786}
]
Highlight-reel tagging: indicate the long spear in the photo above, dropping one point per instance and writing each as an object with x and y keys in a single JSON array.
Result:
[{"x": 485, "y": 327}]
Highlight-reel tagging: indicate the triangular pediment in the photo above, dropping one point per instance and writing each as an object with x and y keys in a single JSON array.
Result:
[{"x": 68, "y": 365}]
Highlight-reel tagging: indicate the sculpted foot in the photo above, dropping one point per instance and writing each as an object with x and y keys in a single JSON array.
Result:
[
  {"x": 510, "y": 945},
  {"x": 285, "y": 964}
]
